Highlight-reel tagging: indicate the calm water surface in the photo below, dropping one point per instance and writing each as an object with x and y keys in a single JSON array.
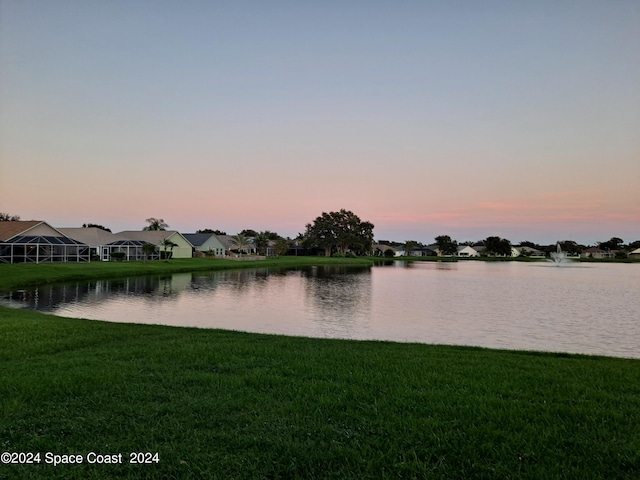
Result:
[{"x": 580, "y": 308}]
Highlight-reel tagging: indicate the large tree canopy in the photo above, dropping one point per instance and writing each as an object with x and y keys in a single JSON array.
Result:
[
  {"x": 498, "y": 246},
  {"x": 339, "y": 231},
  {"x": 446, "y": 246}
]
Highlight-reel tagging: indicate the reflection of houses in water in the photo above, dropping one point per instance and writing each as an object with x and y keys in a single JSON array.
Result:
[{"x": 48, "y": 298}]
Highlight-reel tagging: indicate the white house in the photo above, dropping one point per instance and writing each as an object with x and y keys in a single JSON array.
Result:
[{"x": 467, "y": 251}]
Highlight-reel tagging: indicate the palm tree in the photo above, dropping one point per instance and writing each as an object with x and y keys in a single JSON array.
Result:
[
  {"x": 261, "y": 242},
  {"x": 155, "y": 224},
  {"x": 241, "y": 242},
  {"x": 166, "y": 243}
]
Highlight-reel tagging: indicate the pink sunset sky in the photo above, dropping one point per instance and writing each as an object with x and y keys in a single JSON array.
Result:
[{"x": 468, "y": 119}]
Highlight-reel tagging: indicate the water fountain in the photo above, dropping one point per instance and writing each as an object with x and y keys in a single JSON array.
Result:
[{"x": 559, "y": 257}]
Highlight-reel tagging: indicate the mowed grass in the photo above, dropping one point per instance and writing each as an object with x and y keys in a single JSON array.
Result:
[
  {"x": 22, "y": 275},
  {"x": 231, "y": 405}
]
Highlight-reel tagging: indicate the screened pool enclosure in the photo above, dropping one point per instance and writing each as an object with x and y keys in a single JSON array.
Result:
[{"x": 41, "y": 249}]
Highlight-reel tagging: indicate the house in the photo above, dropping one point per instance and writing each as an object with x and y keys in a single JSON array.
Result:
[
  {"x": 595, "y": 252},
  {"x": 161, "y": 239},
  {"x": 481, "y": 249},
  {"x": 38, "y": 242},
  {"x": 529, "y": 252},
  {"x": 383, "y": 247},
  {"x": 634, "y": 253},
  {"x": 467, "y": 251},
  {"x": 428, "y": 251},
  {"x": 99, "y": 240},
  {"x": 205, "y": 243},
  {"x": 229, "y": 244},
  {"x": 106, "y": 246}
]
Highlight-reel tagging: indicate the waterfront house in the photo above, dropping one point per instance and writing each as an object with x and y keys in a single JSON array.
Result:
[
  {"x": 204, "y": 243},
  {"x": 36, "y": 241}
]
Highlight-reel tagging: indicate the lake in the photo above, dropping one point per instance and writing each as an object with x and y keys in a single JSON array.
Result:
[{"x": 577, "y": 308}]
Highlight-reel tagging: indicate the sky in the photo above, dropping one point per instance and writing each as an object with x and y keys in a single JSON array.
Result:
[{"x": 425, "y": 118}]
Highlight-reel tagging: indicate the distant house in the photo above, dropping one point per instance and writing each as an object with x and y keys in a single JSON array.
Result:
[
  {"x": 634, "y": 253},
  {"x": 595, "y": 252},
  {"x": 467, "y": 251},
  {"x": 182, "y": 248},
  {"x": 99, "y": 241},
  {"x": 205, "y": 242},
  {"x": 383, "y": 247},
  {"x": 427, "y": 251},
  {"x": 529, "y": 252},
  {"x": 481, "y": 249},
  {"x": 38, "y": 242},
  {"x": 229, "y": 244}
]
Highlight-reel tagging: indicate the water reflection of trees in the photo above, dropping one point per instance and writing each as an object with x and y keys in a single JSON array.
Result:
[
  {"x": 339, "y": 295},
  {"x": 240, "y": 282}
]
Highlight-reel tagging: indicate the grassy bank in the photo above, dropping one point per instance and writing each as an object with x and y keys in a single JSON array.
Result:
[
  {"x": 218, "y": 404},
  {"x": 21, "y": 275}
]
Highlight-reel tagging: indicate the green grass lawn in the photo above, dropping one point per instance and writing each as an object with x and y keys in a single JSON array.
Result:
[
  {"x": 21, "y": 274},
  {"x": 219, "y": 404}
]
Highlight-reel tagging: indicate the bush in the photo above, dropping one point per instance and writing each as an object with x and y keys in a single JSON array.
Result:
[
  {"x": 117, "y": 256},
  {"x": 338, "y": 255}
]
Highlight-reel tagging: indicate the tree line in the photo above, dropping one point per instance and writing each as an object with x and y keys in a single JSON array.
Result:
[{"x": 344, "y": 233}]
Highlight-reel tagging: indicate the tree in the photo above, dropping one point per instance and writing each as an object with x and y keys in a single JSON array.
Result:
[
  {"x": 409, "y": 246},
  {"x": 5, "y": 217},
  {"x": 241, "y": 242},
  {"x": 215, "y": 232},
  {"x": 247, "y": 232},
  {"x": 155, "y": 224},
  {"x": 261, "y": 242},
  {"x": 614, "y": 243},
  {"x": 89, "y": 225},
  {"x": 570, "y": 247},
  {"x": 166, "y": 243},
  {"x": 446, "y": 246},
  {"x": 340, "y": 231},
  {"x": 527, "y": 243},
  {"x": 281, "y": 247},
  {"x": 498, "y": 246},
  {"x": 148, "y": 249}
]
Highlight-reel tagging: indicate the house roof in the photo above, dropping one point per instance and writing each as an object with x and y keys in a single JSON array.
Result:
[
  {"x": 89, "y": 235},
  {"x": 152, "y": 236},
  {"x": 197, "y": 239},
  {"x": 11, "y": 229},
  {"x": 382, "y": 247},
  {"x": 226, "y": 241}
]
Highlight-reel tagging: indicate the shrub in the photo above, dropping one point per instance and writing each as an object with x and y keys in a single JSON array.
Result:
[{"x": 117, "y": 256}]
